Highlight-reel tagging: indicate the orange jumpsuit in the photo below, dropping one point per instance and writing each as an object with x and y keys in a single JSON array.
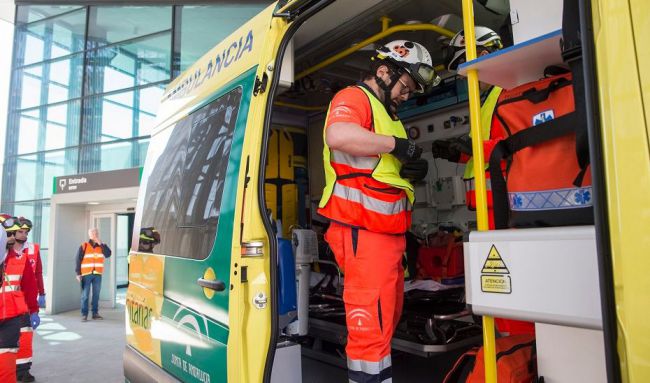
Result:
[{"x": 368, "y": 253}]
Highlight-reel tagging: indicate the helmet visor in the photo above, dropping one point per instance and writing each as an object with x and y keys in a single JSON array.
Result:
[{"x": 425, "y": 75}]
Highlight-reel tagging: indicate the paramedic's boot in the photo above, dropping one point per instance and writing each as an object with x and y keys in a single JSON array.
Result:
[{"x": 26, "y": 377}]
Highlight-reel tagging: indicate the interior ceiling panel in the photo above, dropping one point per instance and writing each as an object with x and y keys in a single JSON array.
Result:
[{"x": 346, "y": 22}]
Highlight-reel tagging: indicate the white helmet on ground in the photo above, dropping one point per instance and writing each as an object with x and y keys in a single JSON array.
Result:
[
  {"x": 486, "y": 38},
  {"x": 414, "y": 59}
]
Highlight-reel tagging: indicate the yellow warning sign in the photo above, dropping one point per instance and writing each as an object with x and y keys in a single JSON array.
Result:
[
  {"x": 493, "y": 274},
  {"x": 496, "y": 284},
  {"x": 494, "y": 263}
]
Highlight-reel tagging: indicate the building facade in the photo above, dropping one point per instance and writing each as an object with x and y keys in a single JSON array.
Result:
[{"x": 85, "y": 85}]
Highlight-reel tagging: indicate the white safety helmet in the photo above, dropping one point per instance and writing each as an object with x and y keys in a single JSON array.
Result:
[
  {"x": 414, "y": 58},
  {"x": 486, "y": 38}
]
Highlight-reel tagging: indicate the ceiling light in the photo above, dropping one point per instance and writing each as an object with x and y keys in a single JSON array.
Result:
[{"x": 93, "y": 203}]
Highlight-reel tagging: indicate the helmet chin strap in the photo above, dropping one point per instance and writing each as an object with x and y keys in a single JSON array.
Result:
[{"x": 388, "y": 89}]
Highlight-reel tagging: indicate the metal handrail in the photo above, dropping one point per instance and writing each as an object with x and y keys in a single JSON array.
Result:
[
  {"x": 489, "y": 343},
  {"x": 386, "y": 31}
]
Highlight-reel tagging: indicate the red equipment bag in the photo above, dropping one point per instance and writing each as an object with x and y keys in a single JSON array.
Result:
[
  {"x": 548, "y": 178},
  {"x": 516, "y": 362},
  {"x": 442, "y": 259}
]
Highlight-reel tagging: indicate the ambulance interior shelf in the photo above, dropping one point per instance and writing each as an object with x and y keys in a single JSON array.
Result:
[{"x": 518, "y": 64}]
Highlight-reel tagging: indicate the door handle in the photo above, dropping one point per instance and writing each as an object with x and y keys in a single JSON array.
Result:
[{"x": 211, "y": 284}]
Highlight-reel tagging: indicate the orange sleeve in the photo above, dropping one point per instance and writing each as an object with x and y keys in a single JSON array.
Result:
[{"x": 351, "y": 105}]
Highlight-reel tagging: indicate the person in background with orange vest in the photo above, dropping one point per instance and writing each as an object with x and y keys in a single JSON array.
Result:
[
  {"x": 18, "y": 305},
  {"x": 32, "y": 252},
  {"x": 90, "y": 267},
  {"x": 369, "y": 165},
  {"x": 460, "y": 149}
]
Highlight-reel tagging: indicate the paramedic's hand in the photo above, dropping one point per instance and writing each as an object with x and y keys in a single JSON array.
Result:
[
  {"x": 443, "y": 149},
  {"x": 79, "y": 278},
  {"x": 406, "y": 150},
  {"x": 35, "y": 320},
  {"x": 41, "y": 300},
  {"x": 415, "y": 170},
  {"x": 463, "y": 145}
]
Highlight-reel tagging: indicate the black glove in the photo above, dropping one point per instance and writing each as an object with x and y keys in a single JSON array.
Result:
[
  {"x": 415, "y": 170},
  {"x": 443, "y": 149},
  {"x": 463, "y": 144},
  {"x": 406, "y": 150}
]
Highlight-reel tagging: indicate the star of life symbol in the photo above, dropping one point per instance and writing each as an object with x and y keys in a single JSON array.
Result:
[
  {"x": 62, "y": 183},
  {"x": 544, "y": 116}
]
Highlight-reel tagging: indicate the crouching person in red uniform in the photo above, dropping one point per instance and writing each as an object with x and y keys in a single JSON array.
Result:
[{"x": 17, "y": 300}]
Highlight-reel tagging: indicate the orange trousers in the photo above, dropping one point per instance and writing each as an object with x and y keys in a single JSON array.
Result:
[
  {"x": 373, "y": 294},
  {"x": 24, "y": 356}
]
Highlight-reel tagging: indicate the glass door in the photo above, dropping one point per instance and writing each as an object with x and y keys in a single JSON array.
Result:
[
  {"x": 122, "y": 246},
  {"x": 105, "y": 224}
]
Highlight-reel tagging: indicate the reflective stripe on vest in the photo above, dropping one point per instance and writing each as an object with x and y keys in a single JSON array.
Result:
[
  {"x": 487, "y": 109},
  {"x": 389, "y": 195},
  {"x": 93, "y": 260},
  {"x": 11, "y": 297},
  {"x": 569, "y": 198},
  {"x": 370, "y": 203},
  {"x": 32, "y": 251}
]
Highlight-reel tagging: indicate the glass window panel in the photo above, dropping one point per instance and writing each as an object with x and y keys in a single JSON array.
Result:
[
  {"x": 27, "y": 134},
  {"x": 33, "y": 51},
  {"x": 185, "y": 178},
  {"x": 149, "y": 103},
  {"x": 62, "y": 125},
  {"x": 57, "y": 164},
  {"x": 52, "y": 38},
  {"x": 31, "y": 91},
  {"x": 134, "y": 63},
  {"x": 25, "y": 209},
  {"x": 44, "y": 229},
  {"x": 26, "y": 167},
  {"x": 112, "y": 156},
  {"x": 121, "y": 115},
  {"x": 116, "y": 23},
  {"x": 47, "y": 128},
  {"x": 31, "y": 13},
  {"x": 203, "y": 26},
  {"x": 60, "y": 80}
]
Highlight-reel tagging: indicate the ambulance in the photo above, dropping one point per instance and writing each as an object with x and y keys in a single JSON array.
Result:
[{"x": 238, "y": 284}]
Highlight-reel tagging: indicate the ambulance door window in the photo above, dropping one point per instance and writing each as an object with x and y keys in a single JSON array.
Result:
[{"x": 185, "y": 186}]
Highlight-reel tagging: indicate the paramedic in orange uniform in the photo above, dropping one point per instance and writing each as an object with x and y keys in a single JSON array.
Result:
[
  {"x": 460, "y": 149},
  {"x": 368, "y": 197},
  {"x": 18, "y": 305},
  {"x": 33, "y": 254}
]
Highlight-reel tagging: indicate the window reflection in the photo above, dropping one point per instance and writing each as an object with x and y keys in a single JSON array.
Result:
[
  {"x": 114, "y": 24},
  {"x": 50, "y": 82},
  {"x": 51, "y": 38},
  {"x": 31, "y": 13},
  {"x": 113, "y": 156},
  {"x": 131, "y": 64},
  {"x": 186, "y": 179},
  {"x": 47, "y": 128},
  {"x": 203, "y": 26},
  {"x": 121, "y": 115}
]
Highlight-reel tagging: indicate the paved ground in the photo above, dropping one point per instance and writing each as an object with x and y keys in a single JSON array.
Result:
[{"x": 67, "y": 350}]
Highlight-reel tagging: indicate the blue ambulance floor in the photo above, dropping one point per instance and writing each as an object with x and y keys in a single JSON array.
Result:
[{"x": 68, "y": 350}]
